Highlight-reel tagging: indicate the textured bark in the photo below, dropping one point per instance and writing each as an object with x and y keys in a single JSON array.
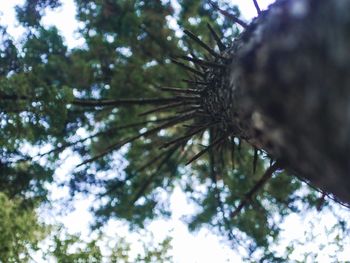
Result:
[{"x": 286, "y": 89}]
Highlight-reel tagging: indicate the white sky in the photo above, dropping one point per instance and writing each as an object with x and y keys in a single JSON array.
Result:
[
  {"x": 64, "y": 17},
  {"x": 201, "y": 247}
]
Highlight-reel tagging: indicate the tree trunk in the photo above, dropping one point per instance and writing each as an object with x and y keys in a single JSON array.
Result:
[{"x": 286, "y": 89}]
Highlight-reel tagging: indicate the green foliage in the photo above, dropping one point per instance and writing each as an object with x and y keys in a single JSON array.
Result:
[
  {"x": 22, "y": 236},
  {"x": 32, "y": 11},
  {"x": 127, "y": 51},
  {"x": 20, "y": 230},
  {"x": 155, "y": 253},
  {"x": 71, "y": 248},
  {"x": 90, "y": 252},
  {"x": 25, "y": 181},
  {"x": 34, "y": 93}
]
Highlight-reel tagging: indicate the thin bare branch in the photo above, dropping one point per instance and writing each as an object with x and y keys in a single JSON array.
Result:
[
  {"x": 194, "y": 91},
  {"x": 121, "y": 102},
  {"x": 161, "y": 108},
  {"x": 258, "y": 10},
  {"x": 203, "y": 62},
  {"x": 119, "y": 144},
  {"x": 233, "y": 148},
  {"x": 216, "y": 142},
  {"x": 180, "y": 139},
  {"x": 263, "y": 180},
  {"x": 228, "y": 15},
  {"x": 197, "y": 72},
  {"x": 196, "y": 82},
  {"x": 255, "y": 160},
  {"x": 188, "y": 109},
  {"x": 218, "y": 41},
  {"x": 149, "y": 180},
  {"x": 150, "y": 162},
  {"x": 201, "y": 43},
  {"x": 13, "y": 97}
]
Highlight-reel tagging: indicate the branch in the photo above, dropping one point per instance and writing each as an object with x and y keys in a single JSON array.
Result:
[
  {"x": 203, "y": 62},
  {"x": 216, "y": 142},
  {"x": 263, "y": 180},
  {"x": 258, "y": 10},
  {"x": 201, "y": 43},
  {"x": 122, "y": 102},
  {"x": 13, "y": 97},
  {"x": 218, "y": 41},
  {"x": 149, "y": 180},
  {"x": 178, "y": 90},
  {"x": 119, "y": 144},
  {"x": 227, "y": 14},
  {"x": 188, "y": 135},
  {"x": 163, "y": 107},
  {"x": 197, "y": 72}
]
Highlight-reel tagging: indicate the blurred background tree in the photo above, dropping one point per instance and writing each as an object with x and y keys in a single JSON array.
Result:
[{"x": 54, "y": 99}]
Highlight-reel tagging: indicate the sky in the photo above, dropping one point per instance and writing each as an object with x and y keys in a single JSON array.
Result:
[
  {"x": 64, "y": 17},
  {"x": 200, "y": 247}
]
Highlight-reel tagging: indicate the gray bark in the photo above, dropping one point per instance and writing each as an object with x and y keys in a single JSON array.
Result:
[{"x": 286, "y": 89}]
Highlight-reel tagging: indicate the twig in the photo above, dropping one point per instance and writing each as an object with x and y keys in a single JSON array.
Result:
[
  {"x": 149, "y": 180},
  {"x": 161, "y": 108},
  {"x": 197, "y": 72},
  {"x": 227, "y": 14},
  {"x": 216, "y": 142},
  {"x": 258, "y": 10},
  {"x": 121, "y": 102},
  {"x": 255, "y": 159},
  {"x": 203, "y": 62},
  {"x": 263, "y": 180},
  {"x": 201, "y": 43},
  {"x": 195, "y": 82},
  {"x": 191, "y": 91},
  {"x": 119, "y": 144},
  {"x": 218, "y": 41},
  {"x": 187, "y": 135}
]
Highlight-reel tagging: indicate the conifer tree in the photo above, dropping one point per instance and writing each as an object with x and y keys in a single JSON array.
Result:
[{"x": 209, "y": 109}]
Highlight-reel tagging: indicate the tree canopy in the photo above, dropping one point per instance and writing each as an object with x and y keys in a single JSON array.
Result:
[{"x": 111, "y": 102}]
